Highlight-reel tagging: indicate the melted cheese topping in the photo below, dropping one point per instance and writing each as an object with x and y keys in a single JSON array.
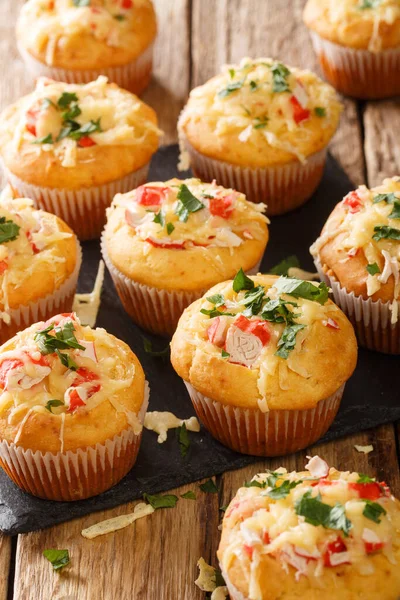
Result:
[
  {"x": 86, "y": 306},
  {"x": 161, "y": 422},
  {"x": 260, "y": 525},
  {"x": 364, "y": 214},
  {"x": 110, "y": 115},
  {"x": 37, "y": 242},
  {"x": 99, "y": 371},
  {"x": 44, "y": 22},
  {"x": 244, "y": 100},
  {"x": 110, "y": 525},
  {"x": 226, "y": 218}
]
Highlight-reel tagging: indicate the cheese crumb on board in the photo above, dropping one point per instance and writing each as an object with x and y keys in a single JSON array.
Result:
[
  {"x": 161, "y": 422},
  {"x": 111, "y": 525},
  {"x": 206, "y": 579},
  {"x": 220, "y": 593},
  {"x": 86, "y": 306},
  {"x": 364, "y": 449}
]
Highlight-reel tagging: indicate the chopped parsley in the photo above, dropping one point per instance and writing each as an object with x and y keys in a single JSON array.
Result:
[
  {"x": 242, "y": 282},
  {"x": 216, "y": 299},
  {"x": 373, "y": 511},
  {"x": 253, "y": 300},
  {"x": 61, "y": 338},
  {"x": 81, "y": 2},
  {"x": 386, "y": 232},
  {"x": 283, "y": 267},
  {"x": 189, "y": 495},
  {"x": 277, "y": 311},
  {"x": 320, "y": 111},
  {"x": 209, "y": 487},
  {"x": 261, "y": 122},
  {"x": 84, "y": 130},
  {"x": 46, "y": 102},
  {"x": 373, "y": 268},
  {"x": 283, "y": 490},
  {"x": 230, "y": 88},
  {"x": 58, "y": 558},
  {"x": 170, "y": 228},
  {"x": 365, "y": 478},
  {"x": 365, "y": 4},
  {"x": 47, "y": 139},
  {"x": 188, "y": 203},
  {"x": 67, "y": 360},
  {"x": 148, "y": 348},
  {"x": 395, "y": 214},
  {"x": 390, "y": 198},
  {"x": 317, "y": 513},
  {"x": 120, "y": 17},
  {"x": 224, "y": 354},
  {"x": 287, "y": 341},
  {"x": 253, "y": 85},
  {"x": 280, "y": 74},
  {"x": 159, "y": 218},
  {"x": 52, "y": 403},
  {"x": 231, "y": 73},
  {"x": 303, "y": 289},
  {"x": 9, "y": 230},
  {"x": 160, "y": 501},
  {"x": 214, "y": 312},
  {"x": 255, "y": 483},
  {"x": 66, "y": 99},
  {"x": 183, "y": 439}
]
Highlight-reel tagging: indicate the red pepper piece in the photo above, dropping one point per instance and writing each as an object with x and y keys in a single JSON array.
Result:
[{"x": 299, "y": 113}]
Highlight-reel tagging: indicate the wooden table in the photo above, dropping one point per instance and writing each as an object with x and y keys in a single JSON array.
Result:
[{"x": 155, "y": 559}]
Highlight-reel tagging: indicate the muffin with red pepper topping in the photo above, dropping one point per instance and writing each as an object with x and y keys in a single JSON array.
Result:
[
  {"x": 318, "y": 534},
  {"x": 166, "y": 243},
  {"x": 358, "y": 255},
  {"x": 265, "y": 361},
  {"x": 40, "y": 259},
  {"x": 72, "y": 405},
  {"x": 71, "y": 148},
  {"x": 262, "y": 128},
  {"x": 358, "y": 44},
  {"x": 78, "y": 40}
]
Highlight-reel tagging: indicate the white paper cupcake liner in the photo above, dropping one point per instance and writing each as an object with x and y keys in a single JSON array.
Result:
[
  {"x": 84, "y": 210},
  {"x": 359, "y": 73},
  {"x": 153, "y": 309},
  {"x": 371, "y": 319},
  {"x": 274, "y": 433},
  {"x": 282, "y": 188},
  {"x": 68, "y": 476},
  {"x": 59, "y": 301},
  {"x": 133, "y": 76}
]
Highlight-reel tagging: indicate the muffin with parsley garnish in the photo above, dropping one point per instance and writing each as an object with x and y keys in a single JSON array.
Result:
[
  {"x": 166, "y": 243},
  {"x": 358, "y": 44},
  {"x": 358, "y": 255},
  {"x": 78, "y": 40},
  {"x": 40, "y": 259},
  {"x": 72, "y": 406},
  {"x": 319, "y": 534},
  {"x": 71, "y": 148},
  {"x": 265, "y": 360},
  {"x": 262, "y": 128}
]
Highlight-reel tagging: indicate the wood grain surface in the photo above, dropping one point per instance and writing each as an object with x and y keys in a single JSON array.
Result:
[{"x": 155, "y": 559}]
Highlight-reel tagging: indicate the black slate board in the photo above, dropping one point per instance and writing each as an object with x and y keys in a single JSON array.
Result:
[{"x": 370, "y": 398}]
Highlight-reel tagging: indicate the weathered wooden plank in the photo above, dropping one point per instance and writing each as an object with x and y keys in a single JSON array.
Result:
[
  {"x": 382, "y": 140},
  {"x": 5, "y": 558}
]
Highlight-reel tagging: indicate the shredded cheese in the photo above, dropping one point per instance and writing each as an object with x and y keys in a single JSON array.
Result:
[
  {"x": 161, "y": 422},
  {"x": 111, "y": 525},
  {"x": 364, "y": 449}
]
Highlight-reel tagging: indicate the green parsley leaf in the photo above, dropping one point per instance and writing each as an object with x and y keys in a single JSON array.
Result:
[
  {"x": 148, "y": 348},
  {"x": 317, "y": 513},
  {"x": 160, "y": 501},
  {"x": 320, "y": 111},
  {"x": 209, "y": 487},
  {"x": 283, "y": 267},
  {"x": 255, "y": 483},
  {"x": 187, "y": 203},
  {"x": 373, "y": 268},
  {"x": 51, "y": 403},
  {"x": 253, "y": 300},
  {"x": 369, "y": 4},
  {"x": 63, "y": 338},
  {"x": 390, "y": 198},
  {"x": 253, "y": 85},
  {"x": 224, "y": 353},
  {"x": 276, "y": 311},
  {"x": 73, "y": 112},
  {"x": 159, "y": 218},
  {"x": 365, "y": 478},
  {"x": 283, "y": 490},
  {"x": 287, "y": 341},
  {"x": 47, "y": 139},
  {"x": 214, "y": 312},
  {"x": 58, "y": 558},
  {"x": 223, "y": 508},
  {"x": 46, "y": 102},
  {"x": 232, "y": 73},
  {"x": 86, "y": 129},
  {"x": 189, "y": 495},
  {"x": 9, "y": 230},
  {"x": 242, "y": 282},
  {"x": 280, "y": 73},
  {"x": 246, "y": 110},
  {"x": 303, "y": 289},
  {"x": 230, "y": 88},
  {"x": 183, "y": 439},
  {"x": 81, "y": 2},
  {"x": 395, "y": 214},
  {"x": 219, "y": 580},
  {"x": 170, "y": 228},
  {"x": 385, "y": 232},
  {"x": 217, "y": 299},
  {"x": 67, "y": 360},
  {"x": 338, "y": 520},
  {"x": 120, "y": 17},
  {"x": 66, "y": 98},
  {"x": 373, "y": 511}
]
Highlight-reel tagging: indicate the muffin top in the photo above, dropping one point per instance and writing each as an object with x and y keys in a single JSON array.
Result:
[
  {"x": 86, "y": 34},
  {"x": 361, "y": 24},
  {"x": 70, "y": 135},
  {"x": 260, "y": 113},
  {"x": 294, "y": 535},
  {"x": 64, "y": 386},
  {"x": 38, "y": 252},
  {"x": 275, "y": 343},
  {"x": 360, "y": 243},
  {"x": 184, "y": 234}
]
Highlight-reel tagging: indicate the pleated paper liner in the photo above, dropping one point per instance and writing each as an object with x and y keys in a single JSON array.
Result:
[
  {"x": 84, "y": 210},
  {"x": 134, "y": 76},
  {"x": 59, "y": 301},
  {"x": 155, "y": 310},
  {"x": 273, "y": 433},
  {"x": 359, "y": 73},
  {"x": 371, "y": 320},
  {"x": 68, "y": 476},
  {"x": 282, "y": 188}
]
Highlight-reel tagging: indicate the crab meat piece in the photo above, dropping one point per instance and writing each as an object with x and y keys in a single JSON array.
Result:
[
  {"x": 353, "y": 202},
  {"x": 317, "y": 467},
  {"x": 148, "y": 195},
  {"x": 372, "y": 542},
  {"x": 336, "y": 553},
  {"x": 353, "y": 252},
  {"x": 13, "y": 375},
  {"x": 245, "y": 340},
  {"x": 74, "y": 397},
  {"x": 216, "y": 333},
  {"x": 90, "y": 350},
  {"x": 61, "y": 319},
  {"x": 166, "y": 243},
  {"x": 331, "y": 323},
  {"x": 340, "y": 558},
  {"x": 306, "y": 554},
  {"x": 370, "y": 490},
  {"x": 222, "y": 206},
  {"x": 136, "y": 216},
  {"x": 300, "y": 563},
  {"x": 299, "y": 113}
]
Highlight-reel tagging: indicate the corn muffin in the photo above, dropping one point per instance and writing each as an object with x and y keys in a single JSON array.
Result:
[
  {"x": 72, "y": 405},
  {"x": 320, "y": 534},
  {"x": 358, "y": 44},
  {"x": 40, "y": 259},
  {"x": 262, "y": 128},
  {"x": 166, "y": 243},
  {"x": 265, "y": 360},
  {"x": 71, "y": 148},
  {"x": 358, "y": 255},
  {"x": 78, "y": 40}
]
